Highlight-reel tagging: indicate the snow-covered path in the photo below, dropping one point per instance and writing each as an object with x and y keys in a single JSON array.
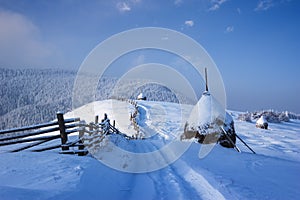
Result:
[{"x": 176, "y": 181}]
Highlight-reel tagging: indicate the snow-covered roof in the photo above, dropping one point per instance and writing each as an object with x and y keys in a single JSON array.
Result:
[{"x": 261, "y": 120}]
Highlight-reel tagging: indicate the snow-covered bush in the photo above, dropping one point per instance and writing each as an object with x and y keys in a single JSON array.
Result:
[
  {"x": 245, "y": 117},
  {"x": 292, "y": 115},
  {"x": 283, "y": 117},
  {"x": 271, "y": 116}
]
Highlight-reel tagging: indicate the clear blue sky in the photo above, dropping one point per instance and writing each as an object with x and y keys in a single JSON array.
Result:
[{"x": 255, "y": 43}]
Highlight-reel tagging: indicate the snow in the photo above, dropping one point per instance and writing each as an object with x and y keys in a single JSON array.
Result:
[
  {"x": 206, "y": 111},
  {"x": 272, "y": 173},
  {"x": 228, "y": 118}
]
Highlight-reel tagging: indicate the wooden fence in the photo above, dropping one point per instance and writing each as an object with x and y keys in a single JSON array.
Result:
[
  {"x": 32, "y": 136},
  {"x": 35, "y": 135},
  {"x": 93, "y": 134}
]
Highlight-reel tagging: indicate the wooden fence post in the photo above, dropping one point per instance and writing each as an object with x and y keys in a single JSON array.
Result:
[
  {"x": 91, "y": 129},
  {"x": 62, "y": 130},
  {"x": 96, "y": 119},
  {"x": 81, "y": 141}
]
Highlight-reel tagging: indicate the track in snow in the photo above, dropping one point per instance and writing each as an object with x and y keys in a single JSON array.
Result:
[{"x": 178, "y": 177}]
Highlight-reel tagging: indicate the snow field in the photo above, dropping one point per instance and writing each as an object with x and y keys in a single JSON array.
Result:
[{"x": 272, "y": 173}]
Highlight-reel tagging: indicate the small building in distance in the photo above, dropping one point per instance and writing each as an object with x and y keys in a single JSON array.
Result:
[
  {"x": 262, "y": 123},
  {"x": 141, "y": 97}
]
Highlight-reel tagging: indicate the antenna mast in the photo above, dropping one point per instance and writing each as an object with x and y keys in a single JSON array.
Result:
[{"x": 206, "y": 82}]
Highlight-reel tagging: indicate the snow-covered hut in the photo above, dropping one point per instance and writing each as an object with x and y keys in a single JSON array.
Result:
[
  {"x": 141, "y": 97},
  {"x": 262, "y": 122}
]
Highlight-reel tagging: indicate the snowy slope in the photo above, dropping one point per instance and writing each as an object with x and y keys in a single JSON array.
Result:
[{"x": 272, "y": 173}]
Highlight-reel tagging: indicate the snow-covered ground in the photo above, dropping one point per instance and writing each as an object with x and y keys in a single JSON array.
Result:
[{"x": 272, "y": 173}]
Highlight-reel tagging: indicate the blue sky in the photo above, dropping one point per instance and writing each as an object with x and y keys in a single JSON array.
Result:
[{"x": 255, "y": 43}]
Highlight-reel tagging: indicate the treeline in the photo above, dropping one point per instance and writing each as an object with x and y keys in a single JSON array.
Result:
[
  {"x": 270, "y": 115},
  {"x": 31, "y": 96}
]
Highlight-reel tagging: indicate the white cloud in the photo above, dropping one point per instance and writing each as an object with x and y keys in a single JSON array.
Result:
[
  {"x": 263, "y": 5},
  {"x": 216, "y": 4},
  {"x": 178, "y": 2},
  {"x": 229, "y": 29},
  {"x": 136, "y": 1},
  {"x": 123, "y": 7},
  {"x": 21, "y": 44},
  {"x": 214, "y": 7},
  {"x": 189, "y": 23},
  {"x": 128, "y": 5},
  {"x": 139, "y": 60}
]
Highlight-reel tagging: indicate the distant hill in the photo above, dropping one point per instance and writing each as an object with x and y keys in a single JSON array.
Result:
[{"x": 30, "y": 96}]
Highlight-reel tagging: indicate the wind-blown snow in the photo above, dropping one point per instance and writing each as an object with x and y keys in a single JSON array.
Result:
[{"x": 272, "y": 173}]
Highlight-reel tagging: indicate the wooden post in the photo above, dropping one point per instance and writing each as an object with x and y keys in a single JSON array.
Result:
[
  {"x": 81, "y": 142},
  {"x": 62, "y": 130},
  {"x": 244, "y": 143},
  {"x": 96, "y": 119},
  {"x": 114, "y": 123},
  {"x": 91, "y": 129},
  {"x": 206, "y": 83},
  {"x": 230, "y": 140}
]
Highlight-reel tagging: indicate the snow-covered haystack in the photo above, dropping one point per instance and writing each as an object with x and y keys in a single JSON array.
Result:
[
  {"x": 207, "y": 121},
  {"x": 229, "y": 128},
  {"x": 141, "y": 96},
  {"x": 262, "y": 122}
]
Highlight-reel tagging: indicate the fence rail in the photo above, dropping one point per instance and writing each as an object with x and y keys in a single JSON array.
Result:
[
  {"x": 34, "y": 135},
  {"x": 43, "y": 125}
]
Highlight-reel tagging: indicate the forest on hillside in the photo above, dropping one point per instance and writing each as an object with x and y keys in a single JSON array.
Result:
[{"x": 31, "y": 96}]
